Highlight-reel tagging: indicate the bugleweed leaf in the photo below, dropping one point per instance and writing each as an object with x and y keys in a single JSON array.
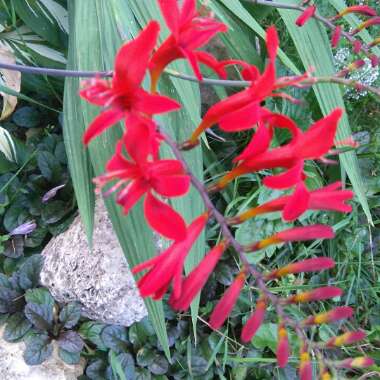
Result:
[
  {"x": 70, "y": 341},
  {"x": 70, "y": 315},
  {"x": 38, "y": 349},
  {"x": 17, "y": 326}
]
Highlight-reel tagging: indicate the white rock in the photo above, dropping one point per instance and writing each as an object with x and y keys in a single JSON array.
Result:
[
  {"x": 13, "y": 366},
  {"x": 99, "y": 280}
]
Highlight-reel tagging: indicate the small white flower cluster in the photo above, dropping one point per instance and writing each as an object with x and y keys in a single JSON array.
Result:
[{"x": 367, "y": 74}]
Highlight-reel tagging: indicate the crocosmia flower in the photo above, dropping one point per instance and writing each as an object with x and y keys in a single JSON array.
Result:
[
  {"x": 255, "y": 320},
  {"x": 123, "y": 96},
  {"x": 308, "y": 13},
  {"x": 143, "y": 174},
  {"x": 167, "y": 267},
  {"x": 283, "y": 350},
  {"x": 189, "y": 31}
]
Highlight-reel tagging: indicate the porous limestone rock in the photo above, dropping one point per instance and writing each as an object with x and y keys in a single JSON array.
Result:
[
  {"x": 99, "y": 280},
  {"x": 13, "y": 366}
]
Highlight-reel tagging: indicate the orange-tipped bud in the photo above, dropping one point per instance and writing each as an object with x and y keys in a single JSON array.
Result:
[
  {"x": 346, "y": 339},
  {"x": 317, "y": 231},
  {"x": 336, "y": 36},
  {"x": 305, "y": 370},
  {"x": 255, "y": 321},
  {"x": 306, "y": 15},
  {"x": 333, "y": 315},
  {"x": 375, "y": 42},
  {"x": 363, "y": 9},
  {"x": 360, "y": 362},
  {"x": 318, "y": 294},
  {"x": 351, "y": 67},
  {"x": 283, "y": 350},
  {"x": 309, "y": 265},
  {"x": 372, "y": 21},
  {"x": 227, "y": 302}
]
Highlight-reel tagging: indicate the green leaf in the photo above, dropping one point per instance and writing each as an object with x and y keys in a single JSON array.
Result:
[
  {"x": 145, "y": 356},
  {"x": 69, "y": 357},
  {"x": 70, "y": 341},
  {"x": 70, "y": 315},
  {"x": 266, "y": 336},
  {"x": 39, "y": 296},
  {"x": 38, "y": 349},
  {"x": 27, "y": 117},
  {"x": 41, "y": 316},
  {"x": 29, "y": 272},
  {"x": 53, "y": 211},
  {"x": 115, "y": 338},
  {"x": 159, "y": 365},
  {"x": 313, "y": 46},
  {"x": 96, "y": 370},
  {"x": 123, "y": 366},
  {"x": 49, "y": 166},
  {"x": 17, "y": 326},
  {"x": 14, "y": 248},
  {"x": 92, "y": 331}
]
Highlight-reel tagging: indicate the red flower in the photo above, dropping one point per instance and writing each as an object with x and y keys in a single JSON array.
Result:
[
  {"x": 327, "y": 198},
  {"x": 124, "y": 96},
  {"x": 345, "y": 339},
  {"x": 360, "y": 362},
  {"x": 167, "y": 267},
  {"x": 189, "y": 31},
  {"x": 308, "y": 13},
  {"x": 372, "y": 21},
  {"x": 227, "y": 302},
  {"x": 309, "y": 265},
  {"x": 197, "y": 279},
  {"x": 317, "y": 231},
  {"x": 341, "y": 312},
  {"x": 313, "y": 144},
  {"x": 318, "y": 294},
  {"x": 243, "y": 110},
  {"x": 144, "y": 174},
  {"x": 283, "y": 350},
  {"x": 255, "y": 321}
]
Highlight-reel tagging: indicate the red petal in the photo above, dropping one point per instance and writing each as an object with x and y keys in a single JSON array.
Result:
[
  {"x": 188, "y": 11},
  {"x": 210, "y": 61},
  {"x": 316, "y": 231},
  {"x": 95, "y": 90},
  {"x": 102, "y": 122},
  {"x": 286, "y": 179},
  {"x": 283, "y": 352},
  {"x": 272, "y": 42},
  {"x": 319, "y": 139},
  {"x": 259, "y": 143},
  {"x": 306, "y": 15},
  {"x": 254, "y": 322},
  {"x": 192, "y": 59},
  {"x": 129, "y": 196},
  {"x": 163, "y": 219},
  {"x": 155, "y": 104},
  {"x": 171, "y": 186},
  {"x": 227, "y": 302},
  {"x": 118, "y": 162},
  {"x": 132, "y": 59},
  {"x": 298, "y": 203},
  {"x": 170, "y": 11},
  {"x": 241, "y": 119},
  {"x": 196, "y": 280},
  {"x": 166, "y": 168}
]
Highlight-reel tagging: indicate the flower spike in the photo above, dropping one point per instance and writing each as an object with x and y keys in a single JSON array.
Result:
[
  {"x": 363, "y": 9},
  {"x": 346, "y": 339},
  {"x": 318, "y": 294},
  {"x": 360, "y": 362},
  {"x": 305, "y": 369}
]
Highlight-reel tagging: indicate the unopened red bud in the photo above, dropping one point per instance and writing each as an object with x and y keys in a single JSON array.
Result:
[
  {"x": 363, "y": 9},
  {"x": 375, "y": 60},
  {"x": 305, "y": 370},
  {"x": 283, "y": 350},
  {"x": 360, "y": 362},
  {"x": 316, "y": 295},
  {"x": 346, "y": 339},
  {"x": 227, "y": 302},
  {"x": 306, "y": 15},
  {"x": 309, "y": 265},
  {"x": 255, "y": 320},
  {"x": 333, "y": 315},
  {"x": 357, "y": 46},
  {"x": 372, "y": 21},
  {"x": 336, "y": 36}
]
